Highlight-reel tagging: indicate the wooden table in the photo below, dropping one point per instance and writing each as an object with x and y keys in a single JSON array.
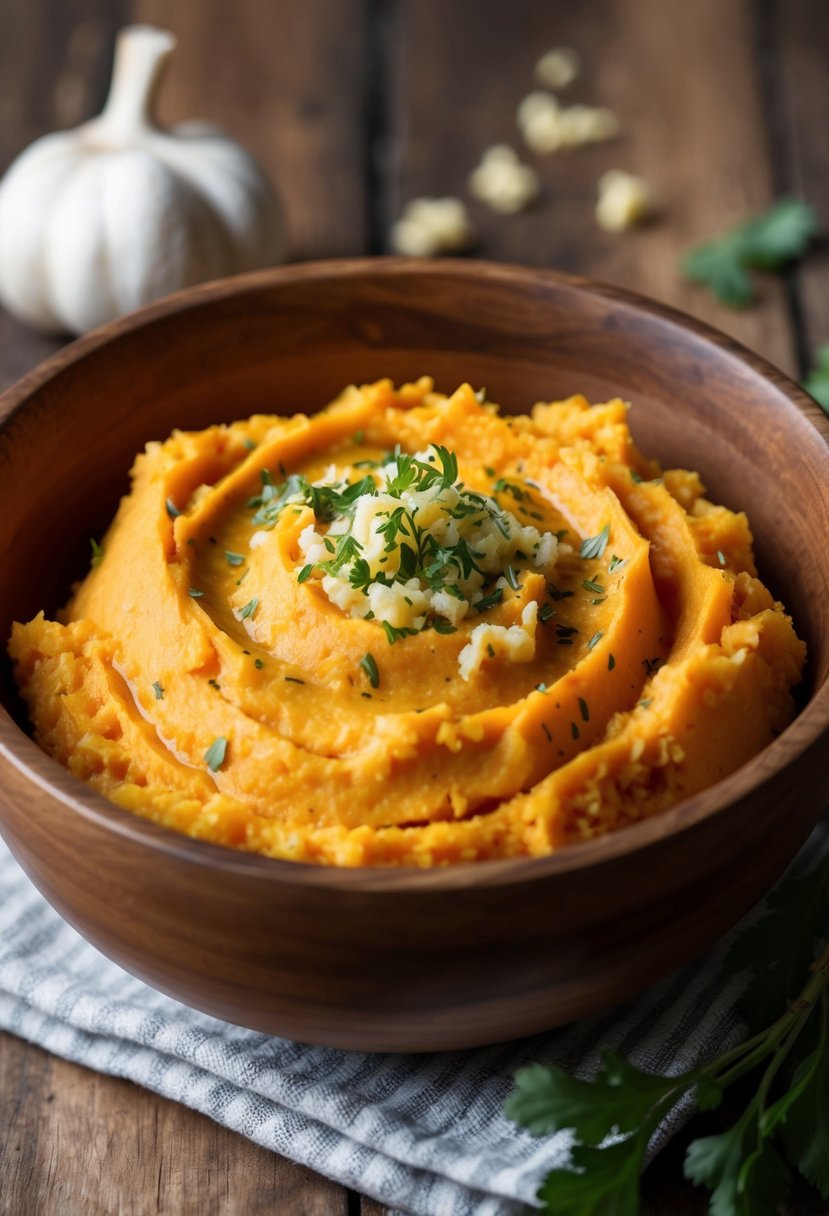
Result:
[{"x": 355, "y": 106}]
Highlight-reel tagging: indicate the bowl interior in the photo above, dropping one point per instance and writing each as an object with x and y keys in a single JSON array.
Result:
[{"x": 289, "y": 340}]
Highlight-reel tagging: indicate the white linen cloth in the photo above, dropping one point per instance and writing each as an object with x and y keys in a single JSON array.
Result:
[{"x": 422, "y": 1133}]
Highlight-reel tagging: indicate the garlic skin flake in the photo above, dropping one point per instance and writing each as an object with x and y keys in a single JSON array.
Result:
[{"x": 102, "y": 219}]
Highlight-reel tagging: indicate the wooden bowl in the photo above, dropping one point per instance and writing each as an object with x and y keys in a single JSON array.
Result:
[{"x": 399, "y": 959}]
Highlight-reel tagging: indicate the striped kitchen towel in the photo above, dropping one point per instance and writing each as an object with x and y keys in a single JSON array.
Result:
[{"x": 423, "y": 1134}]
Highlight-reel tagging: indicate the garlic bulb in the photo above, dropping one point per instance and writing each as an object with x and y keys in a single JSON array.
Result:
[{"x": 102, "y": 219}]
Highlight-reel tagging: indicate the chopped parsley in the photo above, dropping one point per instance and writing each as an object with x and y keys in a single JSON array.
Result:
[
  {"x": 590, "y": 584},
  {"x": 615, "y": 563},
  {"x": 294, "y": 680},
  {"x": 369, "y": 666},
  {"x": 234, "y": 559},
  {"x": 595, "y": 638},
  {"x": 194, "y": 593},
  {"x": 547, "y": 610},
  {"x": 158, "y": 689},
  {"x": 172, "y": 509},
  {"x": 249, "y": 609},
  {"x": 594, "y": 546},
  {"x": 556, "y": 593},
  {"x": 611, "y": 662},
  {"x": 547, "y": 732},
  {"x": 584, "y": 710},
  {"x": 574, "y": 730},
  {"x": 258, "y": 663},
  {"x": 214, "y": 757},
  {"x": 721, "y": 558}
]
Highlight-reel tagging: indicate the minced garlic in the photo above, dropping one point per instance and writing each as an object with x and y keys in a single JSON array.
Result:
[
  {"x": 431, "y": 226},
  {"x": 514, "y": 642},
  {"x": 417, "y": 549},
  {"x": 502, "y": 182},
  {"x": 548, "y": 126},
  {"x": 624, "y": 201},
  {"x": 558, "y": 68}
]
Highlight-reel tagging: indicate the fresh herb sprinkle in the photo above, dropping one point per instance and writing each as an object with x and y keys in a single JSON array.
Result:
[
  {"x": 594, "y": 546},
  {"x": 369, "y": 666},
  {"x": 214, "y": 757}
]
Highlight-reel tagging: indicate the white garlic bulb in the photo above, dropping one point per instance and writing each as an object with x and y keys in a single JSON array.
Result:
[{"x": 102, "y": 219}]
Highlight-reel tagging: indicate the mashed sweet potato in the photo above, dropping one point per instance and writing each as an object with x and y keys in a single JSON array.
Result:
[{"x": 409, "y": 631}]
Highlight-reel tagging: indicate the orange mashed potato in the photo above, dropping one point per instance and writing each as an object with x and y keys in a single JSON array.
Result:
[{"x": 234, "y": 665}]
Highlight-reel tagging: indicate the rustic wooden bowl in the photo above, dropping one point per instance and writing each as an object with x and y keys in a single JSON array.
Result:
[{"x": 408, "y": 960}]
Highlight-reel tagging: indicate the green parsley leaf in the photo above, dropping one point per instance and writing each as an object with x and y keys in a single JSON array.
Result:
[
  {"x": 304, "y": 573},
  {"x": 512, "y": 578},
  {"x": 369, "y": 666},
  {"x": 547, "y": 611},
  {"x": 611, "y": 662},
  {"x": 97, "y": 551},
  {"x": 584, "y": 710},
  {"x": 591, "y": 584},
  {"x": 594, "y": 546},
  {"x": 595, "y": 639},
  {"x": 214, "y": 757},
  {"x": 234, "y": 559},
  {"x": 618, "y": 1099},
  {"x": 259, "y": 664},
  {"x": 441, "y": 625},
  {"x": 194, "y": 593},
  {"x": 615, "y": 563},
  {"x": 393, "y": 634},
  {"x": 605, "y": 1182},
  {"x": 745, "y": 1174},
  {"x": 172, "y": 509},
  {"x": 817, "y": 381},
  {"x": 158, "y": 690},
  {"x": 766, "y": 242},
  {"x": 249, "y": 609}
]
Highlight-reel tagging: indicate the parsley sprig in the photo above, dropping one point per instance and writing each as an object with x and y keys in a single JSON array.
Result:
[
  {"x": 766, "y": 242},
  {"x": 785, "y": 1123}
]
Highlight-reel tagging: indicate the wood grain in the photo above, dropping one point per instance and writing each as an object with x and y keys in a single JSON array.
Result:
[
  {"x": 685, "y": 85},
  {"x": 292, "y": 90},
  {"x": 79, "y": 1144}
]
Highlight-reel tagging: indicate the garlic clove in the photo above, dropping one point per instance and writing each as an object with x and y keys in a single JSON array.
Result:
[{"x": 110, "y": 216}]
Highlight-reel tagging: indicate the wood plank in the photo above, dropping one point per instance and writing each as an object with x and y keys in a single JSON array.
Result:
[
  {"x": 799, "y": 45},
  {"x": 76, "y": 1142},
  {"x": 288, "y": 81},
  {"x": 463, "y": 69}
]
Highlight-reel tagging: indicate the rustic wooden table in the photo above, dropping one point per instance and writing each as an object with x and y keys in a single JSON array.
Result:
[{"x": 355, "y": 106}]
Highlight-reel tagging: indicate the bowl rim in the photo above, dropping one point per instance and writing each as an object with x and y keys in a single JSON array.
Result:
[{"x": 20, "y": 751}]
